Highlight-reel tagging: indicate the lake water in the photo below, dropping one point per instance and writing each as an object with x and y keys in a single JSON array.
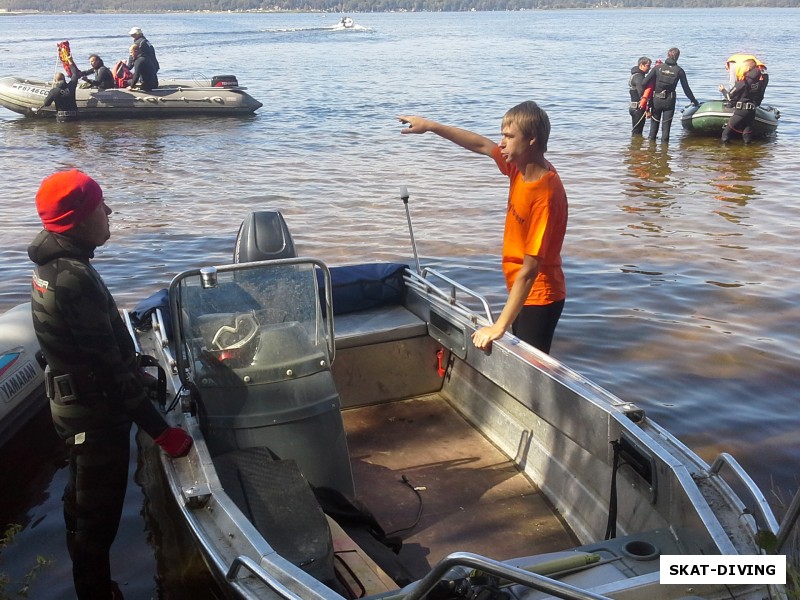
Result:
[{"x": 681, "y": 259}]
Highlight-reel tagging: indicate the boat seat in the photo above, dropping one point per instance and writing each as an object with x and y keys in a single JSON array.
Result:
[
  {"x": 277, "y": 499},
  {"x": 377, "y": 325}
]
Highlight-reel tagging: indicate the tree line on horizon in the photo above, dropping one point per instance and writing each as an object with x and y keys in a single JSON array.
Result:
[{"x": 363, "y": 6}]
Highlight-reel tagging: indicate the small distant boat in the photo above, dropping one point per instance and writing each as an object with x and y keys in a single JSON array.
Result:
[
  {"x": 347, "y": 23},
  {"x": 219, "y": 96},
  {"x": 21, "y": 376},
  {"x": 710, "y": 118}
]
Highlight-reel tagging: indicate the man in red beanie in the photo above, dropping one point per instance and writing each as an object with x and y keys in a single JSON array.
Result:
[{"x": 93, "y": 374}]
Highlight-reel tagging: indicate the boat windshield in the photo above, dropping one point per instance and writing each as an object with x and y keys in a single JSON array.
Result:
[{"x": 253, "y": 317}]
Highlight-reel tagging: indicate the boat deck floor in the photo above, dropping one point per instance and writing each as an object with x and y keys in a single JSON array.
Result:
[{"x": 474, "y": 499}]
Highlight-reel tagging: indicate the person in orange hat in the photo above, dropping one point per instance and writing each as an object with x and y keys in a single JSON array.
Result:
[{"x": 92, "y": 376}]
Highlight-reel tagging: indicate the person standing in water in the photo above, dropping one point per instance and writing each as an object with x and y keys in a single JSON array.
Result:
[
  {"x": 92, "y": 377},
  {"x": 536, "y": 222}
]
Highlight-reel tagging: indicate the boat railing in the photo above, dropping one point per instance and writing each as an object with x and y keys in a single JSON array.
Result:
[
  {"x": 129, "y": 326},
  {"x": 504, "y": 571},
  {"x": 726, "y": 460},
  {"x": 261, "y": 574},
  {"x": 160, "y": 330},
  {"x": 421, "y": 283}
]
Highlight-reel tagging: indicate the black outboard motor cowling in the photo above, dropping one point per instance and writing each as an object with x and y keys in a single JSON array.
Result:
[{"x": 263, "y": 235}]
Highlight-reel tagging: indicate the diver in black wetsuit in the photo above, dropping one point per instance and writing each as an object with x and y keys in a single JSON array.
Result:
[
  {"x": 636, "y": 89},
  {"x": 744, "y": 97},
  {"x": 667, "y": 76},
  {"x": 63, "y": 94}
]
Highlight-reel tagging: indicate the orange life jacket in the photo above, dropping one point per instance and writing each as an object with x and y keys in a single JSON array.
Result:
[{"x": 648, "y": 91}]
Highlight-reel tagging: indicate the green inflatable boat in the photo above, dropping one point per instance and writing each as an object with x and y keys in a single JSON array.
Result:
[{"x": 710, "y": 118}]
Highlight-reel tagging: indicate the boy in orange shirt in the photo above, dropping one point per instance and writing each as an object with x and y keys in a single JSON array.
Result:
[{"x": 536, "y": 221}]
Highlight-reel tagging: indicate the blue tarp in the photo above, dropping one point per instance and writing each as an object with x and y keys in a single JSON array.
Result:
[{"x": 364, "y": 286}]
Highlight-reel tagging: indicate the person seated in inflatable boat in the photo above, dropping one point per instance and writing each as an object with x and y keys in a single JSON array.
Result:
[
  {"x": 144, "y": 71},
  {"x": 103, "y": 78}
]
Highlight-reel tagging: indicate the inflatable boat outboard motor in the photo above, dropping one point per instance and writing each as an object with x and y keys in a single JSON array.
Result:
[{"x": 263, "y": 235}]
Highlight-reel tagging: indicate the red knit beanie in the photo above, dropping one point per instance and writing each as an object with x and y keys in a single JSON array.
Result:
[{"x": 66, "y": 198}]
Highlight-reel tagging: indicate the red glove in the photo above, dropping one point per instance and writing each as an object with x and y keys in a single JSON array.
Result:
[{"x": 175, "y": 442}]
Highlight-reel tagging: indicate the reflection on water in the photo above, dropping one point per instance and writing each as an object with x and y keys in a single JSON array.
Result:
[
  {"x": 648, "y": 186},
  {"x": 736, "y": 172}
]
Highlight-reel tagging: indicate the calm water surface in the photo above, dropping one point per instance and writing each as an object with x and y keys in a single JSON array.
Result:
[{"x": 681, "y": 259}]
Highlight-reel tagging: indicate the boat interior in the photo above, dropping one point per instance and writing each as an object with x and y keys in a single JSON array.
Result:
[{"x": 351, "y": 442}]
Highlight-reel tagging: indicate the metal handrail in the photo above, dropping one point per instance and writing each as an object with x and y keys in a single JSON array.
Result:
[
  {"x": 725, "y": 459},
  {"x": 498, "y": 569},
  {"x": 258, "y": 571},
  {"x": 160, "y": 331},
  {"x": 450, "y": 298},
  {"x": 129, "y": 326}
]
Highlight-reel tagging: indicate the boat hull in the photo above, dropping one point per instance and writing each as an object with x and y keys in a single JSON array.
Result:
[
  {"x": 711, "y": 117},
  {"x": 479, "y": 435},
  {"x": 21, "y": 377},
  {"x": 174, "y": 98}
]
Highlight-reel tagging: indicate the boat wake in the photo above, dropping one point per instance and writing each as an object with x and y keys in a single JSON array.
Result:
[{"x": 327, "y": 28}]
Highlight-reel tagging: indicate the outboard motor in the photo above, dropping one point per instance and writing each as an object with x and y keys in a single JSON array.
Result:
[{"x": 263, "y": 235}]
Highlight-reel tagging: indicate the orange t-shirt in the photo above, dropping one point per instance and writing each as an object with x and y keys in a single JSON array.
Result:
[{"x": 536, "y": 221}]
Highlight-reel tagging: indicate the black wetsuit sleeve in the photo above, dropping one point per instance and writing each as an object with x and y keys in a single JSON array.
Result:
[
  {"x": 137, "y": 72},
  {"x": 51, "y": 96},
  {"x": 104, "y": 79},
  {"x": 685, "y": 85},
  {"x": 737, "y": 91},
  {"x": 100, "y": 332}
]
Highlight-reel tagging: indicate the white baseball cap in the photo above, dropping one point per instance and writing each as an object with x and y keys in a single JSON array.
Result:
[{"x": 135, "y": 31}]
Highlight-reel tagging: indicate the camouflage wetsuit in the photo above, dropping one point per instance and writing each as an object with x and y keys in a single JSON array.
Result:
[{"x": 97, "y": 395}]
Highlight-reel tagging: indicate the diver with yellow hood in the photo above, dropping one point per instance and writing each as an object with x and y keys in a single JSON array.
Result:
[{"x": 749, "y": 78}]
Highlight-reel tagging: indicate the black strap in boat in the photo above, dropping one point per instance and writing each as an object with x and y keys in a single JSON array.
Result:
[{"x": 611, "y": 526}]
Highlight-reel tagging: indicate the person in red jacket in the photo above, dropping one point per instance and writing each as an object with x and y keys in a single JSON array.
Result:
[{"x": 92, "y": 377}]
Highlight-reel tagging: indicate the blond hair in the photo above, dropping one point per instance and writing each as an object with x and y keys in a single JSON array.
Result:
[{"x": 532, "y": 121}]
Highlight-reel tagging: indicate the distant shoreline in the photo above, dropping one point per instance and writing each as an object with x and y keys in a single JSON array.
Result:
[{"x": 22, "y": 13}]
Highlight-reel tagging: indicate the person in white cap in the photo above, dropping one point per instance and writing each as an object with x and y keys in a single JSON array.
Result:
[{"x": 146, "y": 49}]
